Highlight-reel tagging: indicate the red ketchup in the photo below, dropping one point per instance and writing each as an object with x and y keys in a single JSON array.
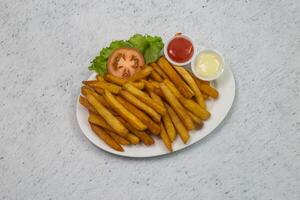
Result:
[{"x": 180, "y": 50}]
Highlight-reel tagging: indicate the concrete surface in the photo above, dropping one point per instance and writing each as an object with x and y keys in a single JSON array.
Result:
[{"x": 45, "y": 48}]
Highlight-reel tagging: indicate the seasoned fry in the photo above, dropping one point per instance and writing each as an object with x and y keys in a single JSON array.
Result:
[
  {"x": 99, "y": 91},
  {"x": 139, "y": 85},
  {"x": 183, "y": 133},
  {"x": 132, "y": 138},
  {"x": 123, "y": 112},
  {"x": 99, "y": 121},
  {"x": 174, "y": 103},
  {"x": 106, "y": 138},
  {"x": 156, "y": 98},
  {"x": 89, "y": 82},
  {"x": 205, "y": 96},
  {"x": 113, "y": 88},
  {"x": 169, "y": 126},
  {"x": 99, "y": 77},
  {"x": 154, "y": 83},
  {"x": 175, "y": 78},
  {"x": 120, "y": 81},
  {"x": 210, "y": 91},
  {"x": 173, "y": 88},
  {"x": 138, "y": 103},
  {"x": 141, "y": 74},
  {"x": 190, "y": 81},
  {"x": 118, "y": 138},
  {"x": 145, "y": 98},
  {"x": 155, "y": 76},
  {"x": 147, "y": 139},
  {"x": 152, "y": 126},
  {"x": 86, "y": 90},
  {"x": 197, "y": 120},
  {"x": 165, "y": 138},
  {"x": 195, "y": 108},
  {"x": 167, "y": 122},
  {"x": 205, "y": 88},
  {"x": 150, "y": 87},
  {"x": 83, "y": 101},
  {"x": 114, "y": 79},
  {"x": 107, "y": 115},
  {"x": 158, "y": 70}
]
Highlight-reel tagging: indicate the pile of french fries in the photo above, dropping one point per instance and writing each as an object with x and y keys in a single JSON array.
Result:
[{"x": 161, "y": 101}]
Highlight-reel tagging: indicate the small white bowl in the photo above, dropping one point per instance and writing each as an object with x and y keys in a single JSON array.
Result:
[
  {"x": 221, "y": 68},
  {"x": 176, "y": 63}
]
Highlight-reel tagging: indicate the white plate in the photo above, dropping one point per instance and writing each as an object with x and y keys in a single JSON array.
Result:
[{"x": 218, "y": 109}]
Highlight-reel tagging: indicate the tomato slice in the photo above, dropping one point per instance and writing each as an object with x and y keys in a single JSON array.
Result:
[{"x": 124, "y": 62}]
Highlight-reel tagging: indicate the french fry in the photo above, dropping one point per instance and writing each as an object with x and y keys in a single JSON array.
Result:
[
  {"x": 205, "y": 96},
  {"x": 99, "y": 121},
  {"x": 106, "y": 138},
  {"x": 99, "y": 77},
  {"x": 123, "y": 112},
  {"x": 166, "y": 119},
  {"x": 113, "y": 88},
  {"x": 152, "y": 126},
  {"x": 118, "y": 138},
  {"x": 132, "y": 138},
  {"x": 158, "y": 70},
  {"x": 197, "y": 120},
  {"x": 99, "y": 91},
  {"x": 175, "y": 78},
  {"x": 195, "y": 108},
  {"x": 147, "y": 139},
  {"x": 139, "y": 85},
  {"x": 210, "y": 91},
  {"x": 183, "y": 133},
  {"x": 120, "y": 81},
  {"x": 165, "y": 138},
  {"x": 145, "y": 98},
  {"x": 83, "y": 101},
  {"x": 170, "y": 129},
  {"x": 173, "y": 88},
  {"x": 138, "y": 103},
  {"x": 89, "y": 82},
  {"x": 156, "y": 98},
  {"x": 190, "y": 81},
  {"x": 114, "y": 79},
  {"x": 141, "y": 74},
  {"x": 86, "y": 90},
  {"x": 205, "y": 88},
  {"x": 150, "y": 87},
  {"x": 154, "y": 83},
  {"x": 174, "y": 103},
  {"x": 155, "y": 76},
  {"x": 107, "y": 115}
]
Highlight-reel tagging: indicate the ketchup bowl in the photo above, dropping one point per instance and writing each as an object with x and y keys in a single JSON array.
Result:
[{"x": 180, "y": 50}]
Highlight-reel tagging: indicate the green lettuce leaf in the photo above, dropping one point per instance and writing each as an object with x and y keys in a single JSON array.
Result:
[
  {"x": 150, "y": 47},
  {"x": 99, "y": 63},
  {"x": 152, "y": 52},
  {"x": 139, "y": 41}
]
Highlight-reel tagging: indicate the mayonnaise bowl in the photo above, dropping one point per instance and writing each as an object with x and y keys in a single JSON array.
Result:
[{"x": 207, "y": 65}]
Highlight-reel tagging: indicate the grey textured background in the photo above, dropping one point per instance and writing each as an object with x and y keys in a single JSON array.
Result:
[{"x": 45, "y": 48}]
